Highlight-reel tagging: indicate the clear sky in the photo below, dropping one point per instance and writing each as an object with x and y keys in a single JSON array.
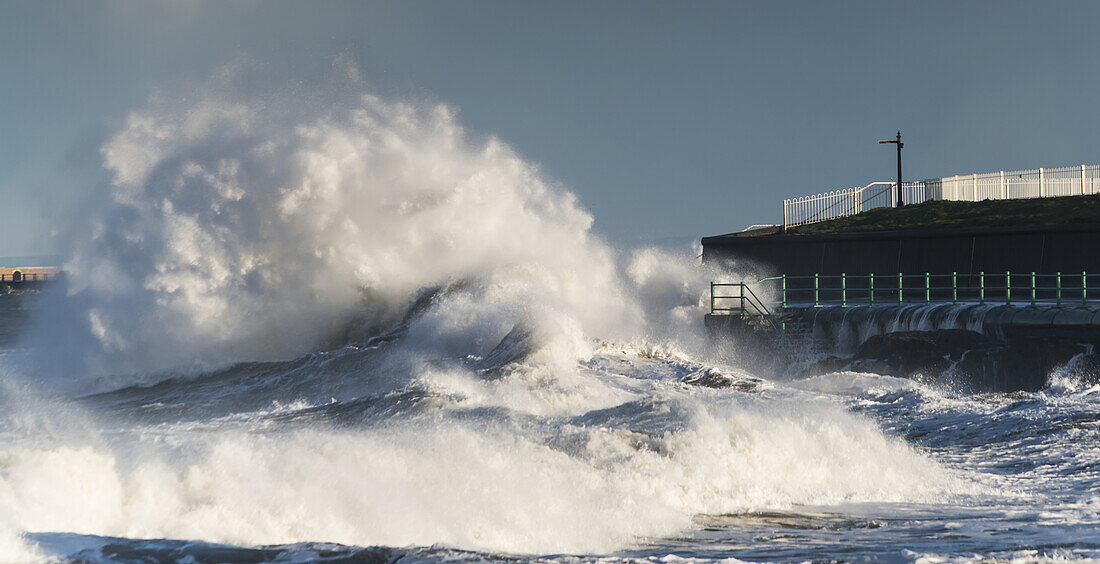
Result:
[{"x": 667, "y": 119}]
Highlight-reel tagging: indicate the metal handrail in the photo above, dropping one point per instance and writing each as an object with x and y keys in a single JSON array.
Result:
[
  {"x": 854, "y": 193},
  {"x": 758, "y": 226},
  {"x": 1007, "y": 288},
  {"x": 747, "y": 298},
  {"x": 847, "y": 195}
]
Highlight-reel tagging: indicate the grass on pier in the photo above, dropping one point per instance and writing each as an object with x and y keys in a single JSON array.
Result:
[{"x": 942, "y": 214}]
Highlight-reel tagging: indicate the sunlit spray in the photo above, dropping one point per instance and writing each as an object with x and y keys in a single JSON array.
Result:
[{"x": 451, "y": 355}]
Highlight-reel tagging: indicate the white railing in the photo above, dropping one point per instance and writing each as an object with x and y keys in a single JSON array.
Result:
[
  {"x": 838, "y": 203},
  {"x": 759, "y": 226},
  {"x": 1002, "y": 185}
]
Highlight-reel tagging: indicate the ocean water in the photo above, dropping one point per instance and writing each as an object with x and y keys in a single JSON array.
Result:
[{"x": 331, "y": 326}]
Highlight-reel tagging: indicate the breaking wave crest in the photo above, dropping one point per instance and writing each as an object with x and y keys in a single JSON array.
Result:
[{"x": 247, "y": 229}]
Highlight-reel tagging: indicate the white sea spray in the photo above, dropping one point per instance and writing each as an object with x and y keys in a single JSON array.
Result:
[{"x": 297, "y": 229}]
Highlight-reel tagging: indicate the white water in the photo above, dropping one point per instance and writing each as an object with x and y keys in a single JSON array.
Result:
[
  {"x": 470, "y": 488},
  {"x": 261, "y": 229},
  {"x": 588, "y": 485},
  {"x": 242, "y": 229}
]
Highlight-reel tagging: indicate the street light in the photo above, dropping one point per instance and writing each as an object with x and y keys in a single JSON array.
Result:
[{"x": 900, "y": 145}]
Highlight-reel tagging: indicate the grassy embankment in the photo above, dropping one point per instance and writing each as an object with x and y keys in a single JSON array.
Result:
[{"x": 940, "y": 214}]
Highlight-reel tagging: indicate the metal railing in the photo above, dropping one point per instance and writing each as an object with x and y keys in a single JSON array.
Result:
[
  {"x": 1002, "y": 185},
  {"x": 838, "y": 203},
  {"x": 745, "y": 303},
  {"x": 759, "y": 226},
  {"x": 846, "y": 290}
]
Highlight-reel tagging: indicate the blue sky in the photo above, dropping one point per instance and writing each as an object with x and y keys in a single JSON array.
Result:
[{"x": 667, "y": 119}]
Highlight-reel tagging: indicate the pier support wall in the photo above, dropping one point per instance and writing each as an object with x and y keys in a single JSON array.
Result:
[{"x": 1043, "y": 249}]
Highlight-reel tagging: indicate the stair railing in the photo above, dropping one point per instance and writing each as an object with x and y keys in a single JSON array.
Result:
[{"x": 748, "y": 304}]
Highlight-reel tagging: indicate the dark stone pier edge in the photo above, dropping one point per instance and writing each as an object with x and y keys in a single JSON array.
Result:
[
  {"x": 1050, "y": 335},
  {"x": 1042, "y": 249}
]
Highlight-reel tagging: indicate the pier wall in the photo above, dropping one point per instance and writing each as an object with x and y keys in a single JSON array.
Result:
[
  {"x": 969, "y": 347},
  {"x": 1042, "y": 249},
  {"x": 848, "y": 328}
]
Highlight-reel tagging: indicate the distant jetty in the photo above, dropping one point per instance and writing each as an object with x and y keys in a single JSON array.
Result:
[{"x": 30, "y": 275}]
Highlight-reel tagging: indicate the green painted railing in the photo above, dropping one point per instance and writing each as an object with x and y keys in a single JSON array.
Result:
[
  {"x": 746, "y": 303},
  {"x": 845, "y": 290}
]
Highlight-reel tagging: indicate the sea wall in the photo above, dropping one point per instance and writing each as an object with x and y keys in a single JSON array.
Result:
[
  {"x": 846, "y": 329},
  {"x": 968, "y": 346},
  {"x": 1043, "y": 249},
  {"x": 971, "y": 347}
]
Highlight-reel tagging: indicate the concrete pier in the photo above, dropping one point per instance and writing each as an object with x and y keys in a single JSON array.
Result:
[{"x": 14, "y": 276}]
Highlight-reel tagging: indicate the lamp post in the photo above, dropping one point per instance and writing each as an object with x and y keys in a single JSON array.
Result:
[{"x": 900, "y": 145}]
